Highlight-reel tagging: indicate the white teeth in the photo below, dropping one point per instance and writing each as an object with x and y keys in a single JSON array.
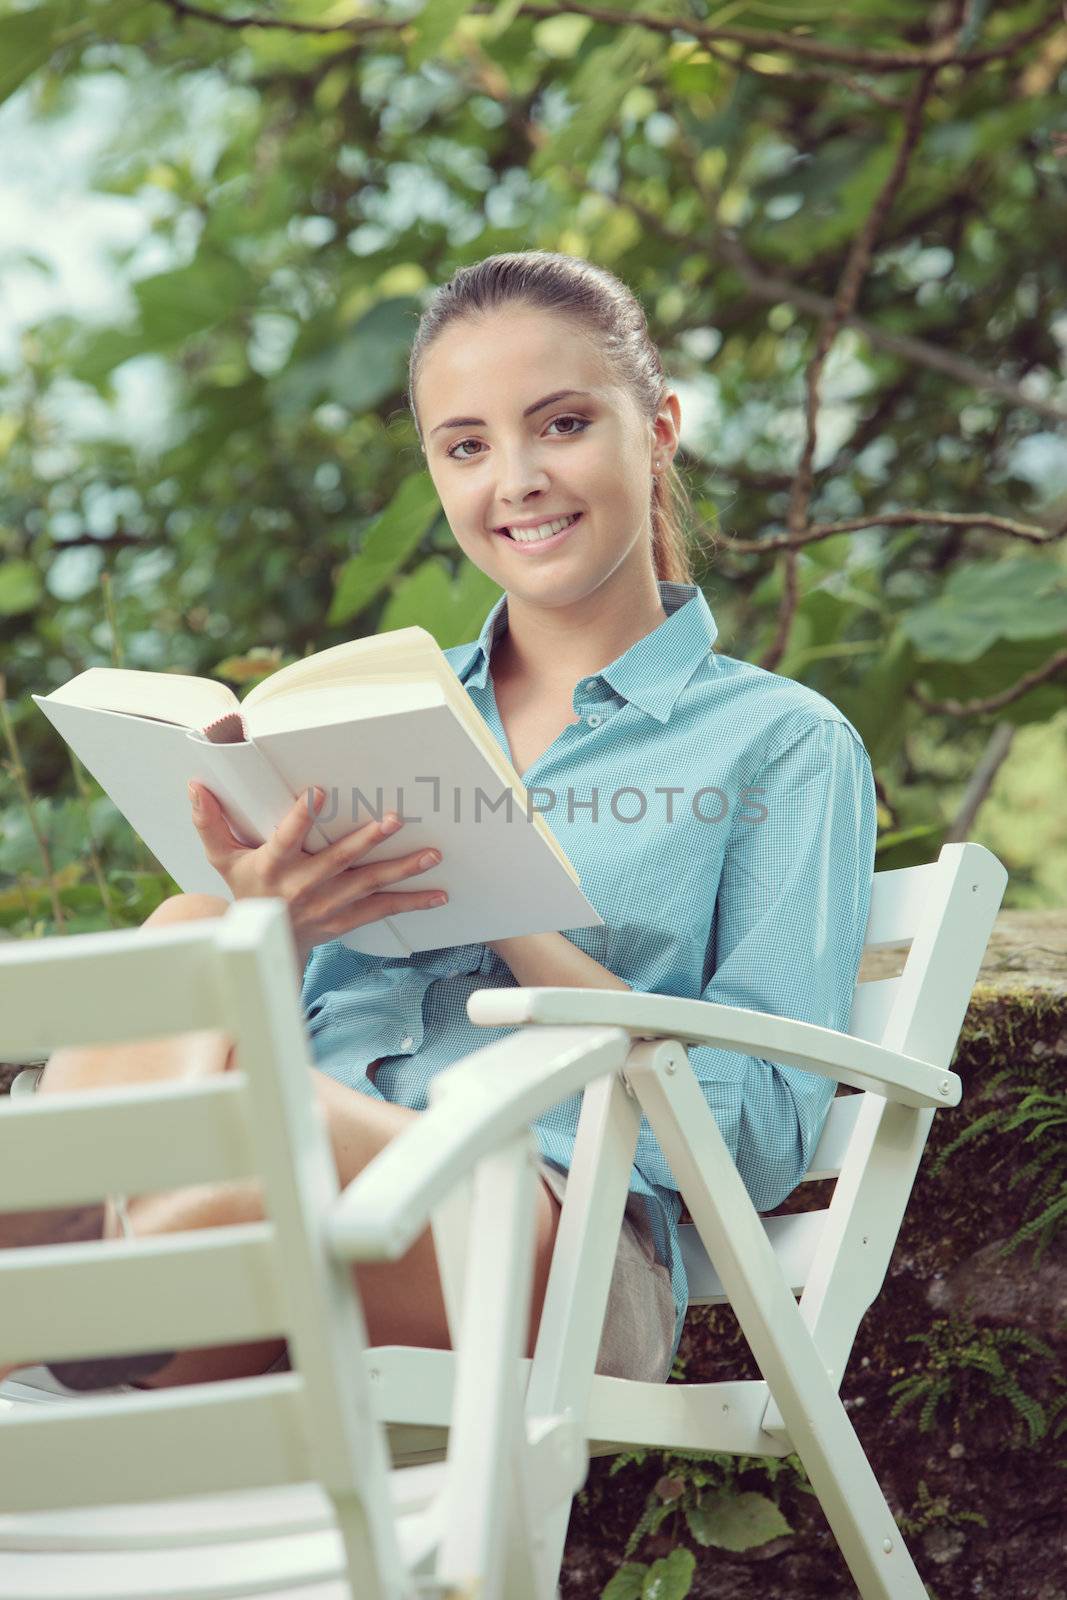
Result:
[{"x": 545, "y": 531}]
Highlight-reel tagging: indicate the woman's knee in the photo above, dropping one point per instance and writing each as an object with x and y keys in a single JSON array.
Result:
[{"x": 186, "y": 908}]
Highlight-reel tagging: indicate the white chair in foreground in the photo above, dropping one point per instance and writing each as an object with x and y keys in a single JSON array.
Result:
[
  {"x": 902, "y": 1036},
  {"x": 266, "y": 1485},
  {"x": 626, "y": 1052}
]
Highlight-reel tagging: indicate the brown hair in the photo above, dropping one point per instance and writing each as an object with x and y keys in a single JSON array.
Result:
[{"x": 607, "y": 313}]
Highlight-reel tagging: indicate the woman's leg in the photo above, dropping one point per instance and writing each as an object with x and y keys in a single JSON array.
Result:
[
  {"x": 188, "y": 1055},
  {"x": 402, "y": 1300}
]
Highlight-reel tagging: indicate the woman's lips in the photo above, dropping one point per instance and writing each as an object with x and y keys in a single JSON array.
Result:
[{"x": 529, "y": 546}]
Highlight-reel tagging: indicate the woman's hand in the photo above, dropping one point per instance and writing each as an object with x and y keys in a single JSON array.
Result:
[{"x": 326, "y": 894}]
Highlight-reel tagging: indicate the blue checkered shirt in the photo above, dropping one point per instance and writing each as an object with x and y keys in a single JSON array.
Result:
[{"x": 722, "y": 821}]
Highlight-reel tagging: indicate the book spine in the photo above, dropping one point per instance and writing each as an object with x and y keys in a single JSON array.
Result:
[{"x": 245, "y": 783}]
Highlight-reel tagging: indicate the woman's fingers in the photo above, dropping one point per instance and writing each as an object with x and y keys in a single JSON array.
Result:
[
  {"x": 212, "y": 825},
  {"x": 288, "y": 837},
  {"x": 368, "y": 887},
  {"x": 321, "y": 888},
  {"x": 347, "y": 852}
]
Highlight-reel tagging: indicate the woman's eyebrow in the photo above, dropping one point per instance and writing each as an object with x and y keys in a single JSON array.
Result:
[{"x": 538, "y": 405}]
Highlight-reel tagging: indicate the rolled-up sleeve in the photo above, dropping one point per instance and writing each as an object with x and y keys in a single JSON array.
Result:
[{"x": 787, "y": 939}]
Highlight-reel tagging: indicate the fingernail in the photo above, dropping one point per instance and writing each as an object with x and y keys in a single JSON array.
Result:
[
  {"x": 317, "y": 797},
  {"x": 390, "y": 823},
  {"x": 194, "y": 796}
]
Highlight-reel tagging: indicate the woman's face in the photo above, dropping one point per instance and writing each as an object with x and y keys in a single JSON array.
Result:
[{"x": 588, "y": 452}]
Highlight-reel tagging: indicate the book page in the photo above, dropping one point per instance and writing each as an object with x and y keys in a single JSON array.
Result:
[
  {"x": 143, "y": 765},
  {"x": 164, "y": 696},
  {"x": 383, "y": 657}
]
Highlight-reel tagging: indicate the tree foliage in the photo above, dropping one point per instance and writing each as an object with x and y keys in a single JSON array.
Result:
[{"x": 846, "y": 231}]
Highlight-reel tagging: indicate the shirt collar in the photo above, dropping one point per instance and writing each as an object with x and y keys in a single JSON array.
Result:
[{"x": 651, "y": 674}]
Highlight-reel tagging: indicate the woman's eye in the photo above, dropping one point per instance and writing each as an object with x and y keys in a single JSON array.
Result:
[{"x": 570, "y": 434}]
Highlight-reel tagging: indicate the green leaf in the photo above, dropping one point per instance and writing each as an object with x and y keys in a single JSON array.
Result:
[
  {"x": 831, "y": 554},
  {"x": 390, "y": 540},
  {"x": 433, "y": 25},
  {"x": 594, "y": 93},
  {"x": 176, "y": 304},
  {"x": 671, "y": 1577},
  {"x": 561, "y": 38},
  {"x": 627, "y": 1582},
  {"x": 102, "y": 350},
  {"x": 357, "y": 366},
  {"x": 878, "y": 709},
  {"x": 1022, "y": 597},
  {"x": 838, "y": 189},
  {"x": 452, "y": 611},
  {"x": 735, "y": 1521},
  {"x": 921, "y": 830},
  {"x": 26, "y": 43},
  {"x": 999, "y": 668},
  {"x": 20, "y": 587}
]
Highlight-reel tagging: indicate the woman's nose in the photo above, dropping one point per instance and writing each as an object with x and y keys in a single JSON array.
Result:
[{"x": 518, "y": 480}]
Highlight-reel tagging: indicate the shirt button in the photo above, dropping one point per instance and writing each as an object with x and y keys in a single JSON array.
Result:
[
  {"x": 407, "y": 1041},
  {"x": 594, "y": 721}
]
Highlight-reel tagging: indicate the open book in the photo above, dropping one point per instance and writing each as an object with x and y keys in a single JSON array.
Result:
[{"x": 380, "y": 724}]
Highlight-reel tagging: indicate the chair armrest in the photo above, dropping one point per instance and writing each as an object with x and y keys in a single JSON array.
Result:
[
  {"x": 476, "y": 1106},
  {"x": 841, "y": 1056}
]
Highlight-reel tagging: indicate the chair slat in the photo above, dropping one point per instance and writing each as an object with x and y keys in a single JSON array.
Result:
[
  {"x": 117, "y": 986},
  {"x": 211, "y": 1519},
  {"x": 245, "y": 1430},
  {"x": 832, "y": 1148},
  {"x": 707, "y": 1417},
  {"x": 794, "y": 1238},
  {"x": 60, "y": 1150},
  {"x": 872, "y": 1005},
  {"x": 898, "y": 898},
  {"x": 297, "y": 1564},
  {"x": 189, "y": 1290}
]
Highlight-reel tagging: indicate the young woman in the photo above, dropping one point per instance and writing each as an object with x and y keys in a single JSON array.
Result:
[{"x": 721, "y": 818}]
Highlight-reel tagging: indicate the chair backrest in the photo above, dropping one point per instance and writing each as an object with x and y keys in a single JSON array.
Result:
[
  {"x": 236, "y": 974},
  {"x": 836, "y": 1259}
]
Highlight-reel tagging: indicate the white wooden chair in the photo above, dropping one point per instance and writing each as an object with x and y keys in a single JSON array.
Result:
[
  {"x": 626, "y": 1052},
  {"x": 147, "y": 1492},
  {"x": 897, "y": 1052}
]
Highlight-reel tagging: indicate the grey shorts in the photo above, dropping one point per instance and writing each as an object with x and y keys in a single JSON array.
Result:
[{"x": 638, "y": 1335}]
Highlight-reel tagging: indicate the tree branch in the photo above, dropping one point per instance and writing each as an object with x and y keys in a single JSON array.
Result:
[
  {"x": 897, "y": 519},
  {"x": 857, "y": 265},
  {"x": 110, "y": 541},
  {"x": 992, "y": 759},
  {"x": 774, "y": 289},
  {"x": 219, "y": 19},
  {"x": 936, "y": 55},
  {"x": 993, "y": 702},
  {"x": 742, "y": 62}
]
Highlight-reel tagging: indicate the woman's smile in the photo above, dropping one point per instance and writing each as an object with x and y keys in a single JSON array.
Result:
[{"x": 528, "y": 546}]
